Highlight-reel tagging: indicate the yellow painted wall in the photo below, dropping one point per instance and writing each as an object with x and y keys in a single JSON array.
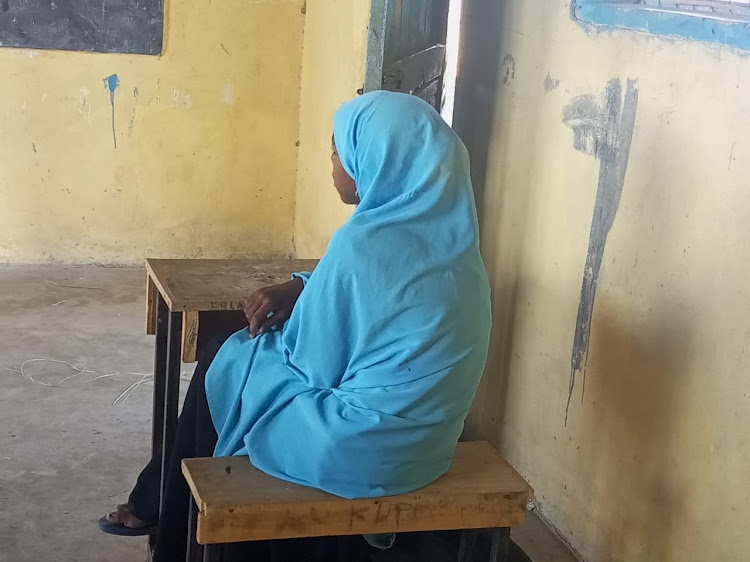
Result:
[
  {"x": 653, "y": 465},
  {"x": 333, "y": 67},
  {"x": 205, "y": 163}
]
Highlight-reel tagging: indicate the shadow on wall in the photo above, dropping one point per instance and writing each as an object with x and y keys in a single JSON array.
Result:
[
  {"x": 484, "y": 119},
  {"x": 629, "y": 429}
]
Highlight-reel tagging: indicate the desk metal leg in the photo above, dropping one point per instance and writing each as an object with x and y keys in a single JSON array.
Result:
[
  {"x": 171, "y": 394},
  {"x": 160, "y": 381},
  {"x": 160, "y": 374}
]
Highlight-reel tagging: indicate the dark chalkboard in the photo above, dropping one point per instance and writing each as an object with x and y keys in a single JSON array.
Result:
[{"x": 105, "y": 26}]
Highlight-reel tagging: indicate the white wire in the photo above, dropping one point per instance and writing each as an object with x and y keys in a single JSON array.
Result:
[{"x": 145, "y": 378}]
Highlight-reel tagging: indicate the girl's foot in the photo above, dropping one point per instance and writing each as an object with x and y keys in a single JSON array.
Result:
[{"x": 123, "y": 522}]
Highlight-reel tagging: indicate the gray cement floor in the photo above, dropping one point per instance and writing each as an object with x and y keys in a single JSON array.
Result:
[
  {"x": 67, "y": 453},
  {"x": 70, "y": 449}
]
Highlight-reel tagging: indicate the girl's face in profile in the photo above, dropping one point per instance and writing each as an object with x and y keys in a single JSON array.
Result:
[{"x": 342, "y": 181}]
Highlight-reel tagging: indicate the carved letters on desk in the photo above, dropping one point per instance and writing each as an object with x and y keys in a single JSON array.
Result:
[{"x": 226, "y": 305}]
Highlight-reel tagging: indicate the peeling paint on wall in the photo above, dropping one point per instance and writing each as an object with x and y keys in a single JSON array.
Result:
[
  {"x": 602, "y": 127},
  {"x": 550, "y": 83},
  {"x": 181, "y": 100},
  {"x": 131, "y": 124},
  {"x": 84, "y": 107},
  {"x": 228, "y": 93},
  {"x": 508, "y": 71},
  {"x": 722, "y": 21}
]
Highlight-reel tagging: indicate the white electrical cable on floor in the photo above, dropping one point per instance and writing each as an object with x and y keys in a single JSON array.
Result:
[{"x": 124, "y": 395}]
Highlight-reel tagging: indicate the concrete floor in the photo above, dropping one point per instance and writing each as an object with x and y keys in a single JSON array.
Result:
[{"x": 69, "y": 449}]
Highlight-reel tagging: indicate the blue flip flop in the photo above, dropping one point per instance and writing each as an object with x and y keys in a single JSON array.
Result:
[{"x": 122, "y": 531}]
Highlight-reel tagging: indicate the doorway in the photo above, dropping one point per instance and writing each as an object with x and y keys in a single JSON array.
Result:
[{"x": 413, "y": 47}]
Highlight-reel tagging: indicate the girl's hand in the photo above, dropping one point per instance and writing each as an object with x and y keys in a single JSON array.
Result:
[{"x": 271, "y": 306}]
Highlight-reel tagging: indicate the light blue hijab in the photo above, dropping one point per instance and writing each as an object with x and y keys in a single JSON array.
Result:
[{"x": 365, "y": 390}]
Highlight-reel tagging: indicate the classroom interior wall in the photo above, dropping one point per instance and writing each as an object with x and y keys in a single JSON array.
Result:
[
  {"x": 333, "y": 69},
  {"x": 205, "y": 163},
  {"x": 652, "y": 464}
]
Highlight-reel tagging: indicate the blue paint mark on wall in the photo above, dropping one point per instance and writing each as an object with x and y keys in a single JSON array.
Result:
[
  {"x": 111, "y": 83},
  {"x": 634, "y": 15}
]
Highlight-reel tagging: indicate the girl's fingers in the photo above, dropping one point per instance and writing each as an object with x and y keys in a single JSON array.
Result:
[
  {"x": 260, "y": 316},
  {"x": 274, "y": 320}
]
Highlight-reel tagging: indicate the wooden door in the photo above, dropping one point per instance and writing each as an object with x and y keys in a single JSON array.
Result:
[{"x": 406, "y": 48}]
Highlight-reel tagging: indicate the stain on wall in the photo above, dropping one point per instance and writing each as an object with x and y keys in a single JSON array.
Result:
[{"x": 602, "y": 127}]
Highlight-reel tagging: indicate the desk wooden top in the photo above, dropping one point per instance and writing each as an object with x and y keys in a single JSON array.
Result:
[
  {"x": 200, "y": 285},
  {"x": 238, "y": 502}
]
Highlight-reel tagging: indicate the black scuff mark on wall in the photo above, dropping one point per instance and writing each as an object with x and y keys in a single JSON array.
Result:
[
  {"x": 508, "y": 71},
  {"x": 550, "y": 83},
  {"x": 602, "y": 127}
]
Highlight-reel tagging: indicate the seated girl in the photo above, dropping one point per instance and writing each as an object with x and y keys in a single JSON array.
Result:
[{"x": 356, "y": 378}]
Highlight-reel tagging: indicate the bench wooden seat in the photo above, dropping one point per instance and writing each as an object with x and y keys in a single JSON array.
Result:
[{"x": 237, "y": 502}]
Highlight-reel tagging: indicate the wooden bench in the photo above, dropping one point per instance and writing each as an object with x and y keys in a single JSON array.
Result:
[{"x": 234, "y": 501}]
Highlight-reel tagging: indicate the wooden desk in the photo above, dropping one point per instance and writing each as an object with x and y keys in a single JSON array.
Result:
[
  {"x": 178, "y": 293},
  {"x": 195, "y": 286}
]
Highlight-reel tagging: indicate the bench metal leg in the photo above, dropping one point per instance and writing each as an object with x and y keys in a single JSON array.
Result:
[
  {"x": 160, "y": 373},
  {"x": 499, "y": 542},
  {"x": 213, "y": 553},
  {"x": 194, "y": 550},
  {"x": 499, "y": 545},
  {"x": 468, "y": 545}
]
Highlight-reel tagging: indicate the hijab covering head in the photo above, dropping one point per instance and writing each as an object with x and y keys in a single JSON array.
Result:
[{"x": 365, "y": 390}]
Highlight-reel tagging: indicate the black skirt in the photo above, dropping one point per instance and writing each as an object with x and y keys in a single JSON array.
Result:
[{"x": 196, "y": 437}]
